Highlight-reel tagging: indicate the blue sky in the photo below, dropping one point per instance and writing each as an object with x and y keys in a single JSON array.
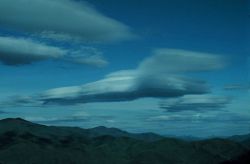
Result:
[{"x": 170, "y": 67}]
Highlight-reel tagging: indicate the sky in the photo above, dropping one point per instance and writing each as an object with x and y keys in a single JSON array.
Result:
[{"x": 172, "y": 67}]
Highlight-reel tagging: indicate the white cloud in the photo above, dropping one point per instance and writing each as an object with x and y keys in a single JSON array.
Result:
[
  {"x": 127, "y": 85},
  {"x": 121, "y": 87},
  {"x": 61, "y": 19},
  {"x": 180, "y": 61},
  {"x": 20, "y": 51},
  {"x": 195, "y": 103}
]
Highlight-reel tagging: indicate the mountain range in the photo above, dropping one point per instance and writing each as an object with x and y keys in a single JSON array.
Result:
[{"x": 25, "y": 142}]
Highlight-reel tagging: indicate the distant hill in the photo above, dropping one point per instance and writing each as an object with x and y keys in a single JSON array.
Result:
[{"x": 28, "y": 143}]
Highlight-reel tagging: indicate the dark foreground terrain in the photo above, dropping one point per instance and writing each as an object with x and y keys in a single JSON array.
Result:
[{"x": 23, "y": 142}]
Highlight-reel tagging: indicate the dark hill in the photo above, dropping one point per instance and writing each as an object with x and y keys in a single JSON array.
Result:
[
  {"x": 242, "y": 159},
  {"x": 243, "y": 139},
  {"x": 28, "y": 143},
  {"x": 20, "y": 126}
]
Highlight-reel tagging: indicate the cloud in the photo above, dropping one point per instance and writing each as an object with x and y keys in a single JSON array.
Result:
[
  {"x": 17, "y": 100},
  {"x": 197, "y": 117},
  {"x": 142, "y": 82},
  {"x": 61, "y": 19},
  {"x": 86, "y": 56},
  {"x": 181, "y": 61},
  {"x": 123, "y": 86},
  {"x": 220, "y": 123},
  {"x": 195, "y": 103},
  {"x": 2, "y": 112},
  {"x": 19, "y": 51},
  {"x": 201, "y": 117},
  {"x": 79, "y": 117},
  {"x": 237, "y": 87},
  {"x": 40, "y": 119}
]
